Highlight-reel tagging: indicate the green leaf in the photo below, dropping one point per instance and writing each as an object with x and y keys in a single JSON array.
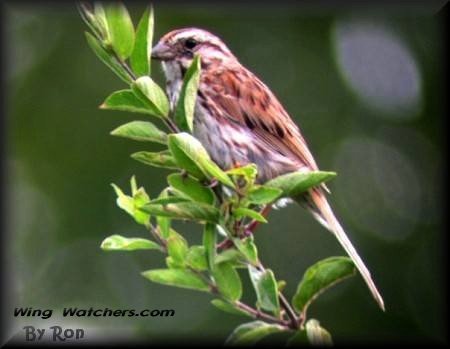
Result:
[
  {"x": 209, "y": 242},
  {"x": 190, "y": 155},
  {"x": 228, "y": 281},
  {"x": 107, "y": 58},
  {"x": 298, "y": 339},
  {"x": 177, "y": 277},
  {"x": 230, "y": 255},
  {"x": 196, "y": 258},
  {"x": 247, "y": 248},
  {"x": 191, "y": 188},
  {"x": 319, "y": 277},
  {"x": 249, "y": 172},
  {"x": 161, "y": 159},
  {"x": 246, "y": 212},
  {"x": 252, "y": 332},
  {"x": 262, "y": 195},
  {"x": 185, "y": 150},
  {"x": 125, "y": 100},
  {"x": 140, "y": 198},
  {"x": 140, "y": 58},
  {"x": 185, "y": 210},
  {"x": 177, "y": 249},
  {"x": 316, "y": 334},
  {"x": 100, "y": 16},
  {"x": 295, "y": 183},
  {"x": 211, "y": 170},
  {"x": 125, "y": 202},
  {"x": 90, "y": 19},
  {"x": 121, "y": 243},
  {"x": 152, "y": 95},
  {"x": 141, "y": 131},
  {"x": 132, "y": 204},
  {"x": 120, "y": 28},
  {"x": 266, "y": 289},
  {"x": 169, "y": 200},
  {"x": 171, "y": 264},
  {"x": 184, "y": 112},
  {"x": 164, "y": 222},
  {"x": 228, "y": 307},
  {"x": 133, "y": 185},
  {"x": 281, "y": 284}
]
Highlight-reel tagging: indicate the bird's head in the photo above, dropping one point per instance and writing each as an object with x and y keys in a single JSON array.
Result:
[{"x": 181, "y": 45}]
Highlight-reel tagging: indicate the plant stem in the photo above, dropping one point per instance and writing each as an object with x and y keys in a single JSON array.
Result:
[
  {"x": 260, "y": 315},
  {"x": 294, "y": 319},
  {"x": 124, "y": 66},
  {"x": 154, "y": 231},
  {"x": 171, "y": 125}
]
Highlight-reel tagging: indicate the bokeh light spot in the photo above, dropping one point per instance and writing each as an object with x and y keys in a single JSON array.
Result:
[
  {"x": 379, "y": 68},
  {"x": 378, "y": 188}
]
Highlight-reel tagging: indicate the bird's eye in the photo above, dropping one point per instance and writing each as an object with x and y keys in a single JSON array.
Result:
[{"x": 190, "y": 43}]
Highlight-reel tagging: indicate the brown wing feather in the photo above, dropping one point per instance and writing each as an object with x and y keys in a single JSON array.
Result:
[{"x": 252, "y": 105}]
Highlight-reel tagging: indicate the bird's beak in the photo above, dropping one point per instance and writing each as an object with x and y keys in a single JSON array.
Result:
[{"x": 162, "y": 52}]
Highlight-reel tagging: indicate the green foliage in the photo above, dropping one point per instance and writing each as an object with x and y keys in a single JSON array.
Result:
[
  {"x": 177, "y": 248},
  {"x": 161, "y": 159},
  {"x": 191, "y": 188},
  {"x": 120, "y": 29},
  {"x": 319, "y": 278},
  {"x": 196, "y": 258},
  {"x": 248, "y": 249},
  {"x": 296, "y": 183},
  {"x": 184, "y": 210},
  {"x": 177, "y": 277},
  {"x": 140, "y": 57},
  {"x": 252, "y": 332},
  {"x": 141, "y": 131},
  {"x": 209, "y": 243},
  {"x": 120, "y": 243},
  {"x": 246, "y": 212},
  {"x": 228, "y": 281},
  {"x": 107, "y": 58},
  {"x": 266, "y": 289},
  {"x": 151, "y": 95},
  {"x": 193, "y": 157},
  {"x": 133, "y": 204},
  {"x": 195, "y": 192},
  {"x": 316, "y": 334},
  {"x": 184, "y": 112},
  {"x": 125, "y": 100},
  {"x": 263, "y": 195}
]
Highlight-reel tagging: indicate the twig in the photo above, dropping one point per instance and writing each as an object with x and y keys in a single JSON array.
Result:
[
  {"x": 257, "y": 314},
  {"x": 251, "y": 227},
  {"x": 155, "y": 232},
  {"x": 294, "y": 319},
  {"x": 225, "y": 244}
]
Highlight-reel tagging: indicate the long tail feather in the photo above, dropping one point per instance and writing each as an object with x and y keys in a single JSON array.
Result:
[{"x": 324, "y": 214}]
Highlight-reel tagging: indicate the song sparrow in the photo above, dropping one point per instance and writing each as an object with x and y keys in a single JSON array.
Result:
[{"x": 240, "y": 121}]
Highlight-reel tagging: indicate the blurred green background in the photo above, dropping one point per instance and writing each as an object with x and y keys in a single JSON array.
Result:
[{"x": 365, "y": 86}]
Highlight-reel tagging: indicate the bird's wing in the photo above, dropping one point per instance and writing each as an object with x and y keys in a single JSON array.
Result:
[{"x": 247, "y": 101}]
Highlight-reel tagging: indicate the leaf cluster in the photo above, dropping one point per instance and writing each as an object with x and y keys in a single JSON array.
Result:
[{"x": 227, "y": 205}]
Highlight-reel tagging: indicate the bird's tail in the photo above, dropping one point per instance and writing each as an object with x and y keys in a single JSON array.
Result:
[{"x": 317, "y": 203}]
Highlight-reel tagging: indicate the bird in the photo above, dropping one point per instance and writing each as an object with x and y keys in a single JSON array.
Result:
[{"x": 239, "y": 121}]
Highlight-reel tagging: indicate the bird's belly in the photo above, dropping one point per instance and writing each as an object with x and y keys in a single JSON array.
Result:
[{"x": 232, "y": 145}]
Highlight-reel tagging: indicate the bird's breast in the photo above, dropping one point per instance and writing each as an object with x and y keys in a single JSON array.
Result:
[{"x": 174, "y": 80}]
